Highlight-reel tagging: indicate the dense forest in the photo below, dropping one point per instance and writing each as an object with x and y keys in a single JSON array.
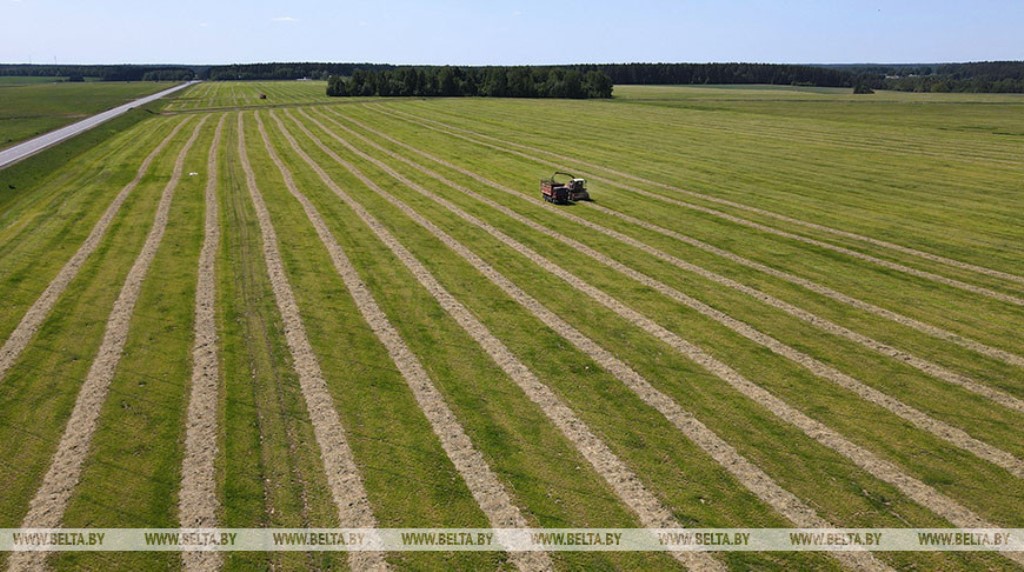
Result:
[
  {"x": 975, "y": 77},
  {"x": 997, "y": 77},
  {"x": 723, "y": 73},
  {"x": 449, "y": 81},
  {"x": 271, "y": 71}
]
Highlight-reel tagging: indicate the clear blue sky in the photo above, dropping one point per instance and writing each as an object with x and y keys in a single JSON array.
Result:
[{"x": 509, "y": 32}]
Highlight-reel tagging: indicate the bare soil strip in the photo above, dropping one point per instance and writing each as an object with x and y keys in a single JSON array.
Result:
[
  {"x": 748, "y": 474},
  {"x": 342, "y": 473},
  {"x": 884, "y": 470},
  {"x": 198, "y": 504},
  {"x": 718, "y": 200},
  {"x": 29, "y": 325},
  {"x": 624, "y": 481},
  {"x": 493, "y": 498},
  {"x": 926, "y": 366},
  {"x": 921, "y": 420},
  {"x": 982, "y": 291},
  {"x": 46, "y": 510}
]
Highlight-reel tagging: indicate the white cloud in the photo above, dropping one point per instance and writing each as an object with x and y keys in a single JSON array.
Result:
[{"x": 285, "y": 19}]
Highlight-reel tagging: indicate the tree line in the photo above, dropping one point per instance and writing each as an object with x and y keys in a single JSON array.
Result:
[
  {"x": 722, "y": 73},
  {"x": 544, "y": 81},
  {"x": 283, "y": 71},
  {"x": 457, "y": 81},
  {"x": 973, "y": 77},
  {"x": 103, "y": 72}
]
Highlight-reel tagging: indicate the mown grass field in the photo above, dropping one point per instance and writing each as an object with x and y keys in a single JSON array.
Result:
[
  {"x": 783, "y": 308},
  {"x": 10, "y": 80},
  {"x": 235, "y": 94},
  {"x": 32, "y": 107}
]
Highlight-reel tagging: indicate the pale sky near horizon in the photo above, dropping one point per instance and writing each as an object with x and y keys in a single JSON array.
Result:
[{"x": 508, "y": 32}]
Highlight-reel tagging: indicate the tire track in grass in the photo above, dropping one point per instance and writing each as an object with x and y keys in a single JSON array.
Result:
[
  {"x": 886, "y": 471},
  {"x": 346, "y": 484},
  {"x": 924, "y": 422},
  {"x": 752, "y": 477},
  {"x": 923, "y": 365},
  {"x": 815, "y": 226},
  {"x": 488, "y": 491},
  {"x": 198, "y": 502},
  {"x": 40, "y": 309},
  {"x": 46, "y": 510}
]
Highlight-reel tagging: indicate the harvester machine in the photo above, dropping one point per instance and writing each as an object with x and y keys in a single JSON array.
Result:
[{"x": 561, "y": 193}]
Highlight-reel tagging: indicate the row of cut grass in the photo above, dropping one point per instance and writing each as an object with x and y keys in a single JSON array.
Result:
[
  {"x": 132, "y": 474},
  {"x": 953, "y": 404},
  {"x": 734, "y": 155},
  {"x": 271, "y": 474},
  {"x": 41, "y": 389},
  {"x": 544, "y": 288},
  {"x": 269, "y": 469},
  {"x": 242, "y": 94},
  {"x": 990, "y": 322},
  {"x": 509, "y": 171},
  {"x": 549, "y": 480},
  {"x": 48, "y": 226},
  {"x": 409, "y": 480}
]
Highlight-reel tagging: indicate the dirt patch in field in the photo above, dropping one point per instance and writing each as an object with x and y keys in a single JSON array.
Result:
[
  {"x": 343, "y": 476},
  {"x": 46, "y": 509},
  {"x": 198, "y": 504},
  {"x": 40, "y": 309}
]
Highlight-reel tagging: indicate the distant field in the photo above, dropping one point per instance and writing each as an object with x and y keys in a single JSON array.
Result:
[
  {"x": 998, "y": 114},
  {"x": 243, "y": 94},
  {"x": 32, "y": 107},
  {"x": 8, "y": 81},
  {"x": 792, "y": 93},
  {"x": 783, "y": 308}
]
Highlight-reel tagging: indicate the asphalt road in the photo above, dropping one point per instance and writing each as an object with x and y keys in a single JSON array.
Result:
[{"x": 33, "y": 146}]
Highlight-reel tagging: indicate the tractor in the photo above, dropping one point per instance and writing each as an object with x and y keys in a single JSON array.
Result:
[{"x": 562, "y": 193}]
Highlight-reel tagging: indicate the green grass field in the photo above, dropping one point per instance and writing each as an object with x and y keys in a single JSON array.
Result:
[
  {"x": 827, "y": 286},
  {"x": 11, "y": 81},
  {"x": 32, "y": 106},
  {"x": 245, "y": 94}
]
